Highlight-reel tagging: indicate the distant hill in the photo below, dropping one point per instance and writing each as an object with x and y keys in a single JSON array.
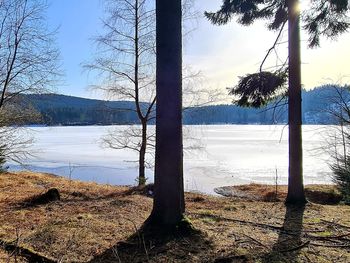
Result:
[
  {"x": 315, "y": 105},
  {"x": 67, "y": 110}
]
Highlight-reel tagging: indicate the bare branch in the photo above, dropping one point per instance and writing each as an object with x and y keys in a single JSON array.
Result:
[{"x": 28, "y": 64}]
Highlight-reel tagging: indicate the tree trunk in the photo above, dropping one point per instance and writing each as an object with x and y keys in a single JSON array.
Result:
[
  {"x": 142, "y": 151},
  {"x": 168, "y": 204},
  {"x": 142, "y": 176},
  {"x": 296, "y": 193}
]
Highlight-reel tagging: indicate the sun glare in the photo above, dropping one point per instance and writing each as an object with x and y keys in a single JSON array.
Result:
[{"x": 302, "y": 5}]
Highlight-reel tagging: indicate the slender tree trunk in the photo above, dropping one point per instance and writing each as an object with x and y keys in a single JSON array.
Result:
[
  {"x": 142, "y": 176},
  {"x": 142, "y": 151},
  {"x": 296, "y": 194},
  {"x": 168, "y": 204},
  {"x": 343, "y": 138}
]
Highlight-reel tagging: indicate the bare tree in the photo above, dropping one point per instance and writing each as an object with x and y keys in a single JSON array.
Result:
[
  {"x": 28, "y": 64},
  {"x": 28, "y": 59},
  {"x": 15, "y": 138},
  {"x": 337, "y": 137},
  {"x": 125, "y": 62}
]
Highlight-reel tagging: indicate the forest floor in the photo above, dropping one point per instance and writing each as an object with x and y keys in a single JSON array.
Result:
[{"x": 101, "y": 223}]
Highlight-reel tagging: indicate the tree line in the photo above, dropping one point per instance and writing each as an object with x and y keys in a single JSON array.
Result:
[{"x": 66, "y": 110}]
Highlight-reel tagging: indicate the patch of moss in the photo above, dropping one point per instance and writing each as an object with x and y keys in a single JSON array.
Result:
[
  {"x": 209, "y": 220},
  {"x": 205, "y": 212},
  {"x": 312, "y": 220},
  {"x": 324, "y": 234},
  {"x": 186, "y": 227}
]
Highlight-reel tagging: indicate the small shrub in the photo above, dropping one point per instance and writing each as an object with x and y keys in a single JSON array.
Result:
[
  {"x": 341, "y": 177},
  {"x": 197, "y": 199},
  {"x": 141, "y": 181},
  {"x": 270, "y": 196},
  {"x": 324, "y": 197}
]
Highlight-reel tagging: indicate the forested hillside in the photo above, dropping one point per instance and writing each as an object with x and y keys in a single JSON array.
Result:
[{"x": 67, "y": 110}]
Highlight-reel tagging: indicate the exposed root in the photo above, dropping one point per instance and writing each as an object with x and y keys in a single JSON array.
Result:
[{"x": 30, "y": 255}]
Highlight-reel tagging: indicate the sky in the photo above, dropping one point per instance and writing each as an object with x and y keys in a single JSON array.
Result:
[{"x": 221, "y": 53}]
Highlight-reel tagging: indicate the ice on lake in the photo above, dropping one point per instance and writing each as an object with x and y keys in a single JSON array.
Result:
[{"x": 229, "y": 155}]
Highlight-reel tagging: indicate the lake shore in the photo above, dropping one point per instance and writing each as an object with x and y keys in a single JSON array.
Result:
[
  {"x": 97, "y": 223},
  {"x": 326, "y": 194}
]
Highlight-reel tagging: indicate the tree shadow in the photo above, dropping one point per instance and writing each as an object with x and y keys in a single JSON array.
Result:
[
  {"x": 52, "y": 195},
  {"x": 289, "y": 242},
  {"x": 156, "y": 245}
]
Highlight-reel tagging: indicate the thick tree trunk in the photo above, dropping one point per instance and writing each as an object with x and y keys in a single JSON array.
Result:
[
  {"x": 168, "y": 206},
  {"x": 296, "y": 193},
  {"x": 142, "y": 176}
]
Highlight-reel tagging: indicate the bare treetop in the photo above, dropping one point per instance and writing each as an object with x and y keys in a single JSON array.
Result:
[
  {"x": 28, "y": 58},
  {"x": 28, "y": 64}
]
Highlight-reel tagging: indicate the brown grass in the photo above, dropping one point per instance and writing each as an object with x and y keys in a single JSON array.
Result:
[
  {"x": 98, "y": 223},
  {"x": 321, "y": 194}
]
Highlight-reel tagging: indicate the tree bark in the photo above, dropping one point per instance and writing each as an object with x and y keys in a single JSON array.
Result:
[
  {"x": 168, "y": 205},
  {"x": 142, "y": 176},
  {"x": 296, "y": 194}
]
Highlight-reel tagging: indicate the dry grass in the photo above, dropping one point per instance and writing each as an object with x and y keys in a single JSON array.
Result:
[
  {"x": 321, "y": 194},
  {"x": 97, "y": 223}
]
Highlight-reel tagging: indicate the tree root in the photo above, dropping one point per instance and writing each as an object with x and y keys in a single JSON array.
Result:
[
  {"x": 295, "y": 248},
  {"x": 30, "y": 255}
]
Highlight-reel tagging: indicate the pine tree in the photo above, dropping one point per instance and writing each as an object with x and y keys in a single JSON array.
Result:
[{"x": 324, "y": 18}]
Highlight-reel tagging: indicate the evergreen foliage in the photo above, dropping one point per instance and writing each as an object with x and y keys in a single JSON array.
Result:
[
  {"x": 256, "y": 90},
  {"x": 341, "y": 177},
  {"x": 250, "y": 10},
  {"x": 327, "y": 18}
]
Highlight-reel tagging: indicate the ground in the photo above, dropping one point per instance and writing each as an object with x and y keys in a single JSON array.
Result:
[{"x": 101, "y": 223}]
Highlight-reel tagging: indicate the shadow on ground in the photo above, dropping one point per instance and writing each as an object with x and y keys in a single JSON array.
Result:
[
  {"x": 289, "y": 242},
  {"x": 143, "y": 246}
]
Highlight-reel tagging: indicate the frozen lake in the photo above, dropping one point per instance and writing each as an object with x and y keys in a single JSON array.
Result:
[{"x": 231, "y": 154}]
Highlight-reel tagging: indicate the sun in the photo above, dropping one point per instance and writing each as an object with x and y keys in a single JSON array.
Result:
[{"x": 302, "y": 5}]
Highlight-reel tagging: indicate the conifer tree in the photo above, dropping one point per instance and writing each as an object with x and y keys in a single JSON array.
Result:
[{"x": 327, "y": 18}]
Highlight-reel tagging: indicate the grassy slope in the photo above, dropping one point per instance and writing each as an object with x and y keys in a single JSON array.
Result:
[{"x": 97, "y": 223}]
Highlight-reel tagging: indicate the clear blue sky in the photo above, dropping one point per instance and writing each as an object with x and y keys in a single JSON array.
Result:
[
  {"x": 221, "y": 53},
  {"x": 77, "y": 21}
]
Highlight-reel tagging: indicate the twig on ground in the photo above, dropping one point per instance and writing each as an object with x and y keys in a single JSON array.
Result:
[
  {"x": 26, "y": 253},
  {"x": 256, "y": 241},
  {"x": 334, "y": 223},
  {"x": 115, "y": 253},
  {"x": 296, "y": 248},
  {"x": 339, "y": 237},
  {"x": 330, "y": 245}
]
